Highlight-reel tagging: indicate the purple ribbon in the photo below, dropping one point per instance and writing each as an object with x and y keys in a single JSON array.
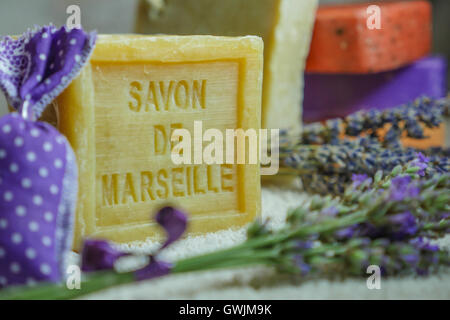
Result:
[
  {"x": 154, "y": 269},
  {"x": 174, "y": 223},
  {"x": 100, "y": 255}
]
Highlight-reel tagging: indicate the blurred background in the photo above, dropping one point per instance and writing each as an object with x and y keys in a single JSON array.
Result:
[{"x": 118, "y": 16}]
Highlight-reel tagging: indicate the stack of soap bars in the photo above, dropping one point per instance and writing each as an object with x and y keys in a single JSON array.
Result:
[{"x": 366, "y": 57}]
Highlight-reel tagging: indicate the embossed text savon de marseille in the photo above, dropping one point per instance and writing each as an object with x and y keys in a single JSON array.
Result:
[{"x": 119, "y": 115}]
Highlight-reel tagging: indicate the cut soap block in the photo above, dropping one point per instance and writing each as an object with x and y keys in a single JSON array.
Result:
[
  {"x": 119, "y": 115},
  {"x": 343, "y": 43},
  {"x": 284, "y": 25}
]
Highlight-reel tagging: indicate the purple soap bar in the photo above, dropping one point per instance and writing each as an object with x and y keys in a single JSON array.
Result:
[{"x": 337, "y": 95}]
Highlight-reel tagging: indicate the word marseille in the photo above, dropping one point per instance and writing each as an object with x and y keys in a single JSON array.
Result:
[{"x": 125, "y": 188}]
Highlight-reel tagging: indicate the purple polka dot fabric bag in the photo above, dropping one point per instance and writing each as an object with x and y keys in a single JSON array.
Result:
[
  {"x": 38, "y": 173},
  {"x": 37, "y": 199}
]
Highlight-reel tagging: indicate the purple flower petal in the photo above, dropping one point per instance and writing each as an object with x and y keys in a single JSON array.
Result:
[
  {"x": 422, "y": 244},
  {"x": 345, "y": 233},
  {"x": 303, "y": 267},
  {"x": 421, "y": 162},
  {"x": 403, "y": 187},
  {"x": 411, "y": 259},
  {"x": 422, "y": 158},
  {"x": 412, "y": 192},
  {"x": 402, "y": 225},
  {"x": 401, "y": 181},
  {"x": 359, "y": 179},
  {"x": 304, "y": 245},
  {"x": 330, "y": 211}
]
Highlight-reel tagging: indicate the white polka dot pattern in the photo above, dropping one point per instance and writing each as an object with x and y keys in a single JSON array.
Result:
[{"x": 32, "y": 170}]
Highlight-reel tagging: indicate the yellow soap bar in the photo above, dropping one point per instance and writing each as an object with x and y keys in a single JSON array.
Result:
[
  {"x": 285, "y": 26},
  {"x": 120, "y": 112}
]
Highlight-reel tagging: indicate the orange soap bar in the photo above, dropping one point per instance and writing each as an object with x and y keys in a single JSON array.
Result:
[{"x": 346, "y": 38}]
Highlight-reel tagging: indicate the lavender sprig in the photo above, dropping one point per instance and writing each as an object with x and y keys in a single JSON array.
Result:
[
  {"x": 378, "y": 220},
  {"x": 328, "y": 169},
  {"x": 352, "y": 258},
  {"x": 367, "y": 211}
]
